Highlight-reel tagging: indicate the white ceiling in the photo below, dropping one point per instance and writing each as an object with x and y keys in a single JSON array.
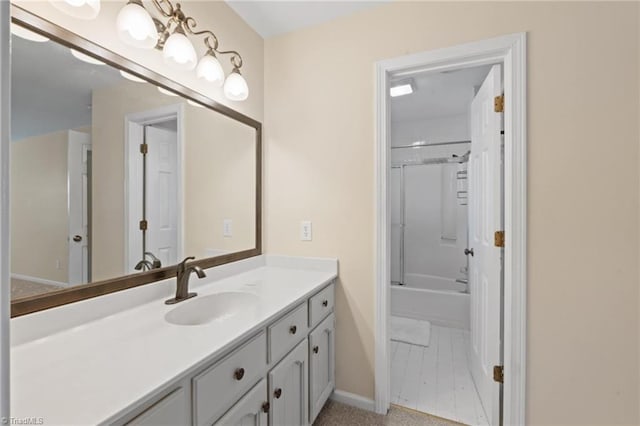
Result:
[
  {"x": 269, "y": 18},
  {"x": 50, "y": 89},
  {"x": 439, "y": 95}
]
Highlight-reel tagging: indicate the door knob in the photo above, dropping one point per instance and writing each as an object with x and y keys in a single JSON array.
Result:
[
  {"x": 468, "y": 252},
  {"x": 77, "y": 238}
]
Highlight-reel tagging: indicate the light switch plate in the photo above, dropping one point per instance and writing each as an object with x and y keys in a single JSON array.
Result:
[
  {"x": 305, "y": 230},
  {"x": 227, "y": 228}
]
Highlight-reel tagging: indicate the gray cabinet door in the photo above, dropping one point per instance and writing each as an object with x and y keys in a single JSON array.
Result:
[
  {"x": 288, "y": 388},
  {"x": 321, "y": 365},
  {"x": 251, "y": 410}
]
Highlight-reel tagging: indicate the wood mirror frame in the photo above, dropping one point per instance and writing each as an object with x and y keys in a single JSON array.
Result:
[{"x": 52, "y": 299}]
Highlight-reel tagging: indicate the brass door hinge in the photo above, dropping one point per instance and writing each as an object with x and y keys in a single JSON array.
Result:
[
  {"x": 498, "y": 239},
  {"x": 498, "y": 103},
  {"x": 144, "y": 148},
  {"x": 143, "y": 225},
  {"x": 498, "y": 373}
]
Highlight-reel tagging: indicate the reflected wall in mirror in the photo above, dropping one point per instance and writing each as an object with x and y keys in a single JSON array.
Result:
[{"x": 112, "y": 175}]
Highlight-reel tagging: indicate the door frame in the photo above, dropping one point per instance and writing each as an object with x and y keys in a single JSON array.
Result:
[
  {"x": 133, "y": 171},
  {"x": 71, "y": 156},
  {"x": 510, "y": 51}
]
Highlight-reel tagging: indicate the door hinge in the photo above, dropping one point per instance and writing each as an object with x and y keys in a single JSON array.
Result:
[
  {"x": 498, "y": 103},
  {"x": 498, "y": 373},
  {"x": 144, "y": 148},
  {"x": 143, "y": 225},
  {"x": 498, "y": 239}
]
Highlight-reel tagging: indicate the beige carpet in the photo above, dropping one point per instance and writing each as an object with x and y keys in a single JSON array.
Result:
[
  {"x": 22, "y": 288},
  {"x": 337, "y": 414}
]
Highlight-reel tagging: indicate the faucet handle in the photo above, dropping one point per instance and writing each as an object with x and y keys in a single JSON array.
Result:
[{"x": 182, "y": 265}]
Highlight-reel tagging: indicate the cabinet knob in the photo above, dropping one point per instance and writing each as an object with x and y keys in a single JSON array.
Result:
[
  {"x": 277, "y": 393},
  {"x": 325, "y": 303},
  {"x": 265, "y": 407},
  {"x": 293, "y": 329},
  {"x": 239, "y": 373},
  {"x": 77, "y": 238},
  {"x": 315, "y": 349}
]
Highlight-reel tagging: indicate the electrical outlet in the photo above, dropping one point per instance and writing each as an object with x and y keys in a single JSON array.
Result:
[
  {"x": 227, "y": 228},
  {"x": 305, "y": 230}
]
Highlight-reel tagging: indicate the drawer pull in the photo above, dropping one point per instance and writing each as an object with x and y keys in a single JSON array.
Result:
[
  {"x": 265, "y": 407},
  {"x": 239, "y": 373},
  {"x": 293, "y": 329},
  {"x": 325, "y": 303},
  {"x": 315, "y": 349},
  {"x": 277, "y": 393}
]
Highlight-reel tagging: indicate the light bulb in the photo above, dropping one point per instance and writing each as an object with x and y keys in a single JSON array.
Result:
[
  {"x": 135, "y": 26},
  {"x": 209, "y": 69},
  {"x": 131, "y": 77},
  {"x": 26, "y": 34},
  {"x": 83, "y": 9},
  {"x": 86, "y": 58},
  {"x": 179, "y": 52},
  {"x": 235, "y": 87}
]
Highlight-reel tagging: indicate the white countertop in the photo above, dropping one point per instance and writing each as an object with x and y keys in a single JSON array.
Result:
[{"x": 97, "y": 371}]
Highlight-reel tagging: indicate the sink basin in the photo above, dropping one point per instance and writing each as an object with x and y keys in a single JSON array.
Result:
[{"x": 204, "y": 309}]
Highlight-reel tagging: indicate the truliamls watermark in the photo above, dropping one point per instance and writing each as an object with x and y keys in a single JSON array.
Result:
[{"x": 22, "y": 420}]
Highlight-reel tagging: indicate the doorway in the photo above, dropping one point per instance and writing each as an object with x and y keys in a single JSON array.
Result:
[
  {"x": 154, "y": 188},
  {"x": 441, "y": 220}
]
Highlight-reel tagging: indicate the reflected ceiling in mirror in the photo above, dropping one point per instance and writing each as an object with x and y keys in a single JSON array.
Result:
[{"x": 116, "y": 177}]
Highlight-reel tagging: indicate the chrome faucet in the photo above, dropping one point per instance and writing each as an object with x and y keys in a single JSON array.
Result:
[
  {"x": 145, "y": 265},
  {"x": 182, "y": 275}
]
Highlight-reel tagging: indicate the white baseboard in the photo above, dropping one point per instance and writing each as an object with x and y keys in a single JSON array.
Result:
[
  {"x": 353, "y": 400},
  {"x": 39, "y": 280}
]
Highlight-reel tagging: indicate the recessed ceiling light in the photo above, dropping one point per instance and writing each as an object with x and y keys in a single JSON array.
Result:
[
  {"x": 131, "y": 77},
  {"x": 86, "y": 58},
  {"x": 26, "y": 34},
  {"x": 166, "y": 92},
  {"x": 401, "y": 88}
]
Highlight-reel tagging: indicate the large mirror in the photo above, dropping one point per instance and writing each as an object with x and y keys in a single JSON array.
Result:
[{"x": 115, "y": 178}]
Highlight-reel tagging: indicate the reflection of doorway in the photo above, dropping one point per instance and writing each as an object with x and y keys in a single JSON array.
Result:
[
  {"x": 153, "y": 181},
  {"x": 79, "y": 184}
]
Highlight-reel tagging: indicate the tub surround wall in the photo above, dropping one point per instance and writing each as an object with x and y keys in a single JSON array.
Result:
[{"x": 319, "y": 127}]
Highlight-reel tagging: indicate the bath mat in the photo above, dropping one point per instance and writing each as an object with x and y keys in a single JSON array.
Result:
[{"x": 412, "y": 331}]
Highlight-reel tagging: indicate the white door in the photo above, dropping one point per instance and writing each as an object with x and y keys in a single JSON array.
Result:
[
  {"x": 288, "y": 389},
  {"x": 162, "y": 194},
  {"x": 79, "y": 147},
  {"x": 485, "y": 217},
  {"x": 251, "y": 410}
]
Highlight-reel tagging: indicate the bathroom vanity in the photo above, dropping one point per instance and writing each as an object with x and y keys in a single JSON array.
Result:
[{"x": 256, "y": 346}]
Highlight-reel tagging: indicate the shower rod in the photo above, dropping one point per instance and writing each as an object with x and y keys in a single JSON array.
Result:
[
  {"x": 455, "y": 159},
  {"x": 425, "y": 144}
]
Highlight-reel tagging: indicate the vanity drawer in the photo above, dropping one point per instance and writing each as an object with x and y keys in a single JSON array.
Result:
[
  {"x": 217, "y": 388},
  {"x": 286, "y": 332},
  {"x": 171, "y": 410},
  {"x": 321, "y": 304}
]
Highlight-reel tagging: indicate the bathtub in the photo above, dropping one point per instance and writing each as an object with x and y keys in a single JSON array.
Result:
[{"x": 435, "y": 299}]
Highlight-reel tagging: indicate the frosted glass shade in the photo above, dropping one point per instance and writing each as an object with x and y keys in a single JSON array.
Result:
[
  {"x": 27, "y": 34},
  {"x": 209, "y": 69},
  {"x": 179, "y": 53},
  {"x": 82, "y": 9},
  {"x": 135, "y": 27},
  {"x": 86, "y": 58},
  {"x": 235, "y": 87}
]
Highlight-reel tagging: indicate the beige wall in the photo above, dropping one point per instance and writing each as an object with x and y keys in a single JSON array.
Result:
[
  {"x": 583, "y": 328},
  {"x": 39, "y": 219},
  {"x": 232, "y": 31},
  {"x": 219, "y": 176}
]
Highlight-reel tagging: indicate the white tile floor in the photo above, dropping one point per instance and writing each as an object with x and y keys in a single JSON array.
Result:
[{"x": 436, "y": 379}]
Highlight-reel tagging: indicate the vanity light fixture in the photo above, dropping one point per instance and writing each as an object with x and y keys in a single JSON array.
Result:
[
  {"x": 137, "y": 27},
  {"x": 131, "y": 77},
  {"x": 82, "y": 9},
  {"x": 27, "y": 34},
  {"x": 403, "y": 87},
  {"x": 86, "y": 58}
]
